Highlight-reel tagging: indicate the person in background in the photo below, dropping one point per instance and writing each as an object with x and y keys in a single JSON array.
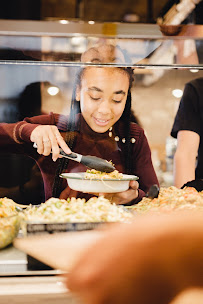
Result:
[
  {"x": 29, "y": 102},
  {"x": 25, "y": 184},
  {"x": 99, "y": 124},
  {"x": 188, "y": 128},
  {"x": 154, "y": 265}
]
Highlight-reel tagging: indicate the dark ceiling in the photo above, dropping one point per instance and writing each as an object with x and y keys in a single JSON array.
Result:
[
  {"x": 97, "y": 10},
  {"x": 103, "y": 10},
  {"x": 146, "y": 11}
]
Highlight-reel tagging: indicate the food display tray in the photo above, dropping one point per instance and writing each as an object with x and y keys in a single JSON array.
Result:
[
  {"x": 33, "y": 228},
  {"x": 49, "y": 228}
]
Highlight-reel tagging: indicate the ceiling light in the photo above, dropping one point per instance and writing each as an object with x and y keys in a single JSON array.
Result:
[
  {"x": 91, "y": 22},
  {"x": 53, "y": 91},
  {"x": 63, "y": 21},
  {"x": 194, "y": 70},
  {"x": 177, "y": 93},
  {"x": 131, "y": 18}
]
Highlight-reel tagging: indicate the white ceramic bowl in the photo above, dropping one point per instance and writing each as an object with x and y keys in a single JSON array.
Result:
[{"x": 78, "y": 182}]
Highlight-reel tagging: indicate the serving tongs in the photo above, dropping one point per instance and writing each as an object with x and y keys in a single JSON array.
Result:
[
  {"x": 20, "y": 207},
  {"x": 89, "y": 161}
]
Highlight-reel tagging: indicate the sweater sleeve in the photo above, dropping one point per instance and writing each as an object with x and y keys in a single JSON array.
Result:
[{"x": 18, "y": 133}]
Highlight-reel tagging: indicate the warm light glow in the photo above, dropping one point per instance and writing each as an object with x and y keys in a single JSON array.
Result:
[
  {"x": 194, "y": 70},
  {"x": 63, "y": 21},
  {"x": 91, "y": 22},
  {"x": 77, "y": 41},
  {"x": 177, "y": 93},
  {"x": 53, "y": 91},
  {"x": 131, "y": 18}
]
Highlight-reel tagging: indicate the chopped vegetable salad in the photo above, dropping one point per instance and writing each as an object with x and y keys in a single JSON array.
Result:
[{"x": 96, "y": 209}]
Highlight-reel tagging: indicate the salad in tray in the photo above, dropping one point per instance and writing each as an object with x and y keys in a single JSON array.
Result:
[
  {"x": 172, "y": 199},
  {"x": 96, "y": 209},
  {"x": 9, "y": 221}
]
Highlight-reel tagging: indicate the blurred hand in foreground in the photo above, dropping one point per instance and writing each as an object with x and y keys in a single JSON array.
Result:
[{"x": 148, "y": 261}]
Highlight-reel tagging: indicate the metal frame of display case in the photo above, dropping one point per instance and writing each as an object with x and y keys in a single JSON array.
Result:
[
  {"x": 74, "y": 28},
  {"x": 108, "y": 31}
]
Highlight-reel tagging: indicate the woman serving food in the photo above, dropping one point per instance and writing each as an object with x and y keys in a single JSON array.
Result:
[{"x": 99, "y": 124}]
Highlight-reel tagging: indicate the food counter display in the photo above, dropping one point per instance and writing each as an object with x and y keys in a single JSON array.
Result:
[
  {"x": 41, "y": 59},
  {"x": 41, "y": 277},
  {"x": 24, "y": 278}
]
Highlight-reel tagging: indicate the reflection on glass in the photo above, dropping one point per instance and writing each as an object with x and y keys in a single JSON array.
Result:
[{"x": 56, "y": 60}]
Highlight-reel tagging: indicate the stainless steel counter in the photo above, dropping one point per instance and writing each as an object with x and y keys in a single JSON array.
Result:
[{"x": 12, "y": 260}]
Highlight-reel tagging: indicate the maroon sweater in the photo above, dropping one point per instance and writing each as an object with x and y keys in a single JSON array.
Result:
[{"x": 15, "y": 138}]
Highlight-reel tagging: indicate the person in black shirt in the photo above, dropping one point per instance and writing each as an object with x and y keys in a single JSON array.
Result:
[{"x": 188, "y": 128}]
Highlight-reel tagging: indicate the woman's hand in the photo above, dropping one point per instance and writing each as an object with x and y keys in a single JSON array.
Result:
[
  {"x": 124, "y": 197},
  {"x": 49, "y": 139}
]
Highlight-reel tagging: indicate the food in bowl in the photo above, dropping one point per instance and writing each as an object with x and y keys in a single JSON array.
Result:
[
  {"x": 94, "y": 183},
  {"x": 9, "y": 221},
  {"x": 7, "y": 207},
  {"x": 92, "y": 174},
  {"x": 9, "y": 228}
]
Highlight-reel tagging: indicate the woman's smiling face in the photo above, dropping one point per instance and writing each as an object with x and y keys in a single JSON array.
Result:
[{"x": 102, "y": 95}]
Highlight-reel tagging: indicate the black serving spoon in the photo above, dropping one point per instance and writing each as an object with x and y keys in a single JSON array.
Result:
[{"x": 89, "y": 161}]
